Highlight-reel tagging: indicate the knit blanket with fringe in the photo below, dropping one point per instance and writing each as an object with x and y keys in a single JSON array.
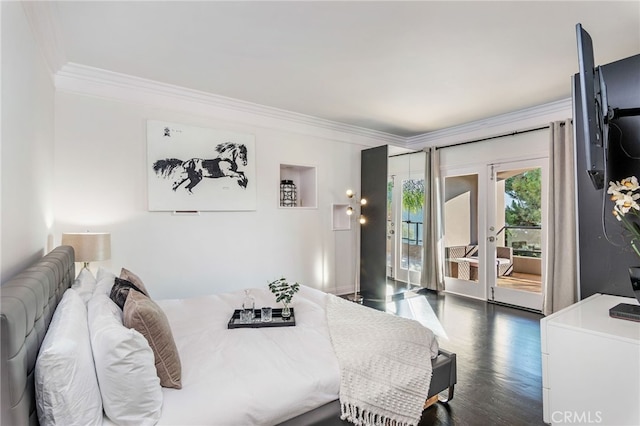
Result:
[{"x": 385, "y": 364}]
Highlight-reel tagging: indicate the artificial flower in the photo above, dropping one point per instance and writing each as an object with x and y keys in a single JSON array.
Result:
[{"x": 626, "y": 208}]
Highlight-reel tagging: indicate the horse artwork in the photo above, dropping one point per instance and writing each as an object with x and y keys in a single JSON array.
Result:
[{"x": 192, "y": 171}]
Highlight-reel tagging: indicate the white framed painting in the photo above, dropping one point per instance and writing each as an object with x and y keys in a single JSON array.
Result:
[{"x": 199, "y": 169}]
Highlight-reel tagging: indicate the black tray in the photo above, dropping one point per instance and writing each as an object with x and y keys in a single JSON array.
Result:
[{"x": 276, "y": 320}]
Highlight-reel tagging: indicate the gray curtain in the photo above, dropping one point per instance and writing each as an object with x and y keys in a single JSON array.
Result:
[
  {"x": 432, "y": 276},
  {"x": 561, "y": 261}
]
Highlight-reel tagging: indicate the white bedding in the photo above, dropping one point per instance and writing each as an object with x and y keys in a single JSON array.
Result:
[{"x": 258, "y": 376}]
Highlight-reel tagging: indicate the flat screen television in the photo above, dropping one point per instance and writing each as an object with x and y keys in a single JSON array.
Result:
[
  {"x": 593, "y": 97},
  {"x": 596, "y": 113}
]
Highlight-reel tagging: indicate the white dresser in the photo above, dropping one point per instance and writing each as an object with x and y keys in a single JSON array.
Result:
[{"x": 591, "y": 365}]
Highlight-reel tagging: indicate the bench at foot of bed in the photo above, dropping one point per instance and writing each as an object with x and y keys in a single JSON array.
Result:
[{"x": 444, "y": 376}]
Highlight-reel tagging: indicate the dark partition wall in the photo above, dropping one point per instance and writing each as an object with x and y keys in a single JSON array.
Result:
[
  {"x": 373, "y": 241},
  {"x": 603, "y": 264}
]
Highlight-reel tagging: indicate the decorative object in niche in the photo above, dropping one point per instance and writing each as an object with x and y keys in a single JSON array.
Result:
[
  {"x": 288, "y": 193},
  {"x": 305, "y": 178},
  {"x": 180, "y": 157}
]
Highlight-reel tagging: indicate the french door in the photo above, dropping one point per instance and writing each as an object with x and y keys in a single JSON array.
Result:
[
  {"x": 405, "y": 218},
  {"x": 494, "y": 217},
  {"x": 405, "y": 228},
  {"x": 516, "y": 237}
]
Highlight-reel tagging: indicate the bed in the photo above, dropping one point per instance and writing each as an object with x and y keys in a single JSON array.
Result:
[{"x": 286, "y": 375}]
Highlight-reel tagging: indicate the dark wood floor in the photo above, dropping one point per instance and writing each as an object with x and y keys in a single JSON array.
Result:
[
  {"x": 499, "y": 364},
  {"x": 498, "y": 358}
]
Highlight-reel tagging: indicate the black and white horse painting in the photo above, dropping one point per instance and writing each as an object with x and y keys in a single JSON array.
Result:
[{"x": 191, "y": 172}]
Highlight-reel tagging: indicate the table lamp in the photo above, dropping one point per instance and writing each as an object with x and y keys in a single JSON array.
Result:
[{"x": 89, "y": 246}]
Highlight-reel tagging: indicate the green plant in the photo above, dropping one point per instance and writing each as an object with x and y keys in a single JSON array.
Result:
[{"x": 283, "y": 290}]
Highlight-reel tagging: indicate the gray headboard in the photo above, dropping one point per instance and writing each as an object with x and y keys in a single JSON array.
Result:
[{"x": 27, "y": 303}]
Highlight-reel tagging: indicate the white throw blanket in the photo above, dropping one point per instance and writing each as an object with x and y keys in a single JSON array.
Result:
[{"x": 385, "y": 364}]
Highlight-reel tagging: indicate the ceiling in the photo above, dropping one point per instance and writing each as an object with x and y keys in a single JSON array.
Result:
[{"x": 404, "y": 68}]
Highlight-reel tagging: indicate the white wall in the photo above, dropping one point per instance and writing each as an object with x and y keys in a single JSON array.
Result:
[
  {"x": 100, "y": 185},
  {"x": 27, "y": 145},
  {"x": 457, "y": 219},
  {"x": 100, "y": 181}
]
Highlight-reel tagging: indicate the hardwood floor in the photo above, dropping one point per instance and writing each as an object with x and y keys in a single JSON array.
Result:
[
  {"x": 521, "y": 281},
  {"x": 499, "y": 362}
]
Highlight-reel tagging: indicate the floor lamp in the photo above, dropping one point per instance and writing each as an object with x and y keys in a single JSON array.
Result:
[{"x": 355, "y": 203}]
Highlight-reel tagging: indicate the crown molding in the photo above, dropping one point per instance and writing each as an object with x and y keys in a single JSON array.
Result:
[
  {"x": 82, "y": 79},
  {"x": 45, "y": 29},
  {"x": 528, "y": 117}
]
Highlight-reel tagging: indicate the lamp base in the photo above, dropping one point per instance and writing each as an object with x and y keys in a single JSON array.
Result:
[{"x": 357, "y": 298}]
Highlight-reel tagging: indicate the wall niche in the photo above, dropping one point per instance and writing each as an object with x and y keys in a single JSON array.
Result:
[{"x": 306, "y": 186}]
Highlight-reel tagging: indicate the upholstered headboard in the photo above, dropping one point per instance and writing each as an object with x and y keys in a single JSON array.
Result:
[{"x": 27, "y": 303}]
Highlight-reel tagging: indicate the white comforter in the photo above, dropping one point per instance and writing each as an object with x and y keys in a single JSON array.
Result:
[{"x": 258, "y": 376}]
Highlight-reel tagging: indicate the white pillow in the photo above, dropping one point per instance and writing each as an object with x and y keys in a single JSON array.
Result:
[
  {"x": 85, "y": 284},
  {"x": 105, "y": 280},
  {"x": 67, "y": 390},
  {"x": 102, "y": 272},
  {"x": 125, "y": 366}
]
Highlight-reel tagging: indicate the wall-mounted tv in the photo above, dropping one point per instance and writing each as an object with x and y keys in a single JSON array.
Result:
[
  {"x": 593, "y": 96},
  {"x": 595, "y": 110}
]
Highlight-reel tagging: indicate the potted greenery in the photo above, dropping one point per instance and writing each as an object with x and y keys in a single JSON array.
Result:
[{"x": 284, "y": 293}]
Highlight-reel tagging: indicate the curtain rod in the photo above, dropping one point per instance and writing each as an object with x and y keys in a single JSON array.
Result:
[{"x": 517, "y": 132}]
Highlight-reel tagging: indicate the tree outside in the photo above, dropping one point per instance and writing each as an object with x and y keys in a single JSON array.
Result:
[
  {"x": 525, "y": 210},
  {"x": 413, "y": 195},
  {"x": 524, "y": 192}
]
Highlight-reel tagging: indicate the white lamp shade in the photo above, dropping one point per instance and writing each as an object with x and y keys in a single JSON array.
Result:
[{"x": 89, "y": 246}]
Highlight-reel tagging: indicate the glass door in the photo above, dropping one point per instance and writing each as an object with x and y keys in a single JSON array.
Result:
[
  {"x": 464, "y": 245},
  {"x": 405, "y": 207},
  {"x": 516, "y": 237},
  {"x": 409, "y": 240}
]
